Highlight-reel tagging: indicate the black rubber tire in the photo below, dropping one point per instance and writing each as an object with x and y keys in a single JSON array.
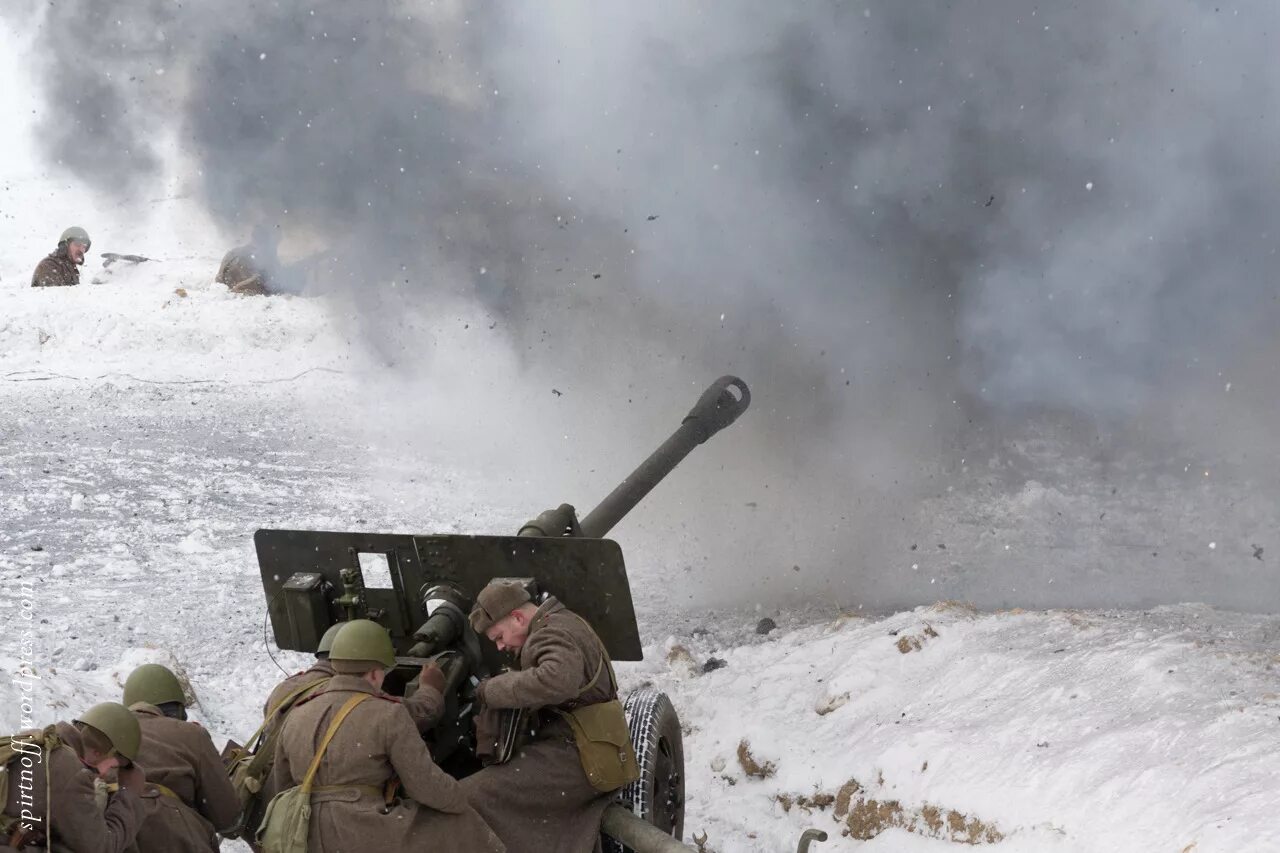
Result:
[{"x": 658, "y": 795}]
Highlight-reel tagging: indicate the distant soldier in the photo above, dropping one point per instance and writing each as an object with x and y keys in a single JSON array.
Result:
[
  {"x": 188, "y": 796},
  {"x": 60, "y": 268},
  {"x": 373, "y": 753},
  {"x": 249, "y": 269},
  {"x": 60, "y": 804},
  {"x": 542, "y": 799},
  {"x": 241, "y": 272}
]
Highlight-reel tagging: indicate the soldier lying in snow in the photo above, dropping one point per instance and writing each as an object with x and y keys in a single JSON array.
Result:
[
  {"x": 60, "y": 268},
  {"x": 241, "y": 273}
]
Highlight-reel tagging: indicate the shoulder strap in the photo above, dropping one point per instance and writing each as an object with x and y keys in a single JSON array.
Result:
[
  {"x": 594, "y": 679},
  {"x": 604, "y": 656},
  {"x": 346, "y": 709},
  {"x": 283, "y": 705}
]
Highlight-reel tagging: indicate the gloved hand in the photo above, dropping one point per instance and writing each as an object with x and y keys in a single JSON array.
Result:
[
  {"x": 432, "y": 676},
  {"x": 487, "y": 727}
]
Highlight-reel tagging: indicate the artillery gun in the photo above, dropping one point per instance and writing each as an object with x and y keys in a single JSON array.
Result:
[{"x": 421, "y": 587}]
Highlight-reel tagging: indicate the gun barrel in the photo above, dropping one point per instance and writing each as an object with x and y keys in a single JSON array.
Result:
[{"x": 718, "y": 407}]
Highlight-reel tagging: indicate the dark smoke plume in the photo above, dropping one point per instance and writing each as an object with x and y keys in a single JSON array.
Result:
[{"x": 979, "y": 261}]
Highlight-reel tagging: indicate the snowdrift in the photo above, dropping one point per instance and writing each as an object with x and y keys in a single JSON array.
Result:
[
  {"x": 932, "y": 730},
  {"x": 162, "y": 321},
  {"x": 937, "y": 728}
]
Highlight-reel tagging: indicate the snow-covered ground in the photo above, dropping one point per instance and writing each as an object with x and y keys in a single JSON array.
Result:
[
  {"x": 1047, "y": 731},
  {"x": 147, "y": 434},
  {"x": 151, "y": 422}
]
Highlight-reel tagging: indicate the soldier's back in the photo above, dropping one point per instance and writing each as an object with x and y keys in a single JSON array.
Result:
[
  {"x": 376, "y": 743},
  {"x": 189, "y": 796}
]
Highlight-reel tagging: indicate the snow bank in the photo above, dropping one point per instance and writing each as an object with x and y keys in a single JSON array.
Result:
[
  {"x": 923, "y": 732},
  {"x": 164, "y": 321},
  {"x": 1060, "y": 731}
]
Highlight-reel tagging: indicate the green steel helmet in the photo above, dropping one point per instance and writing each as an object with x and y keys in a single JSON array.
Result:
[
  {"x": 119, "y": 725},
  {"x": 75, "y": 232},
  {"x": 326, "y": 642},
  {"x": 153, "y": 684},
  {"x": 363, "y": 640}
]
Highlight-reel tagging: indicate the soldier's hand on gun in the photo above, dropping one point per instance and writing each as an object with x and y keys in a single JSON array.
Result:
[{"x": 432, "y": 676}]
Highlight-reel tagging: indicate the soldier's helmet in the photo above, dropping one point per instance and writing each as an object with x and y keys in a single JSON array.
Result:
[
  {"x": 76, "y": 233},
  {"x": 362, "y": 645},
  {"x": 118, "y": 724},
  {"x": 153, "y": 684},
  {"x": 326, "y": 642}
]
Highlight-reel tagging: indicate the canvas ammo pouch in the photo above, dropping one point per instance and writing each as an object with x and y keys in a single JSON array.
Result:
[
  {"x": 602, "y": 737},
  {"x": 604, "y": 744},
  {"x": 287, "y": 824}
]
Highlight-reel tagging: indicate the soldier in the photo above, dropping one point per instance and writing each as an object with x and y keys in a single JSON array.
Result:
[
  {"x": 542, "y": 800},
  {"x": 241, "y": 273},
  {"x": 188, "y": 796},
  {"x": 425, "y": 707},
  {"x": 248, "y": 270},
  {"x": 59, "y": 269},
  {"x": 378, "y": 743},
  {"x": 59, "y": 804},
  {"x": 279, "y": 702}
]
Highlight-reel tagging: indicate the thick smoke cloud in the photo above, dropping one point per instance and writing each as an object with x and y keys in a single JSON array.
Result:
[
  {"x": 1076, "y": 195},
  {"x": 1026, "y": 238}
]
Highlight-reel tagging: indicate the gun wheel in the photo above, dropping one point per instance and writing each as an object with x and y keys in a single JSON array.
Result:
[{"x": 657, "y": 797}]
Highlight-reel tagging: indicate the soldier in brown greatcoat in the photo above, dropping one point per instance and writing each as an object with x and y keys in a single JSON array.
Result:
[
  {"x": 425, "y": 708},
  {"x": 57, "y": 805},
  {"x": 60, "y": 268},
  {"x": 541, "y": 800},
  {"x": 188, "y": 796},
  {"x": 273, "y": 715},
  {"x": 377, "y": 743},
  {"x": 241, "y": 272}
]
